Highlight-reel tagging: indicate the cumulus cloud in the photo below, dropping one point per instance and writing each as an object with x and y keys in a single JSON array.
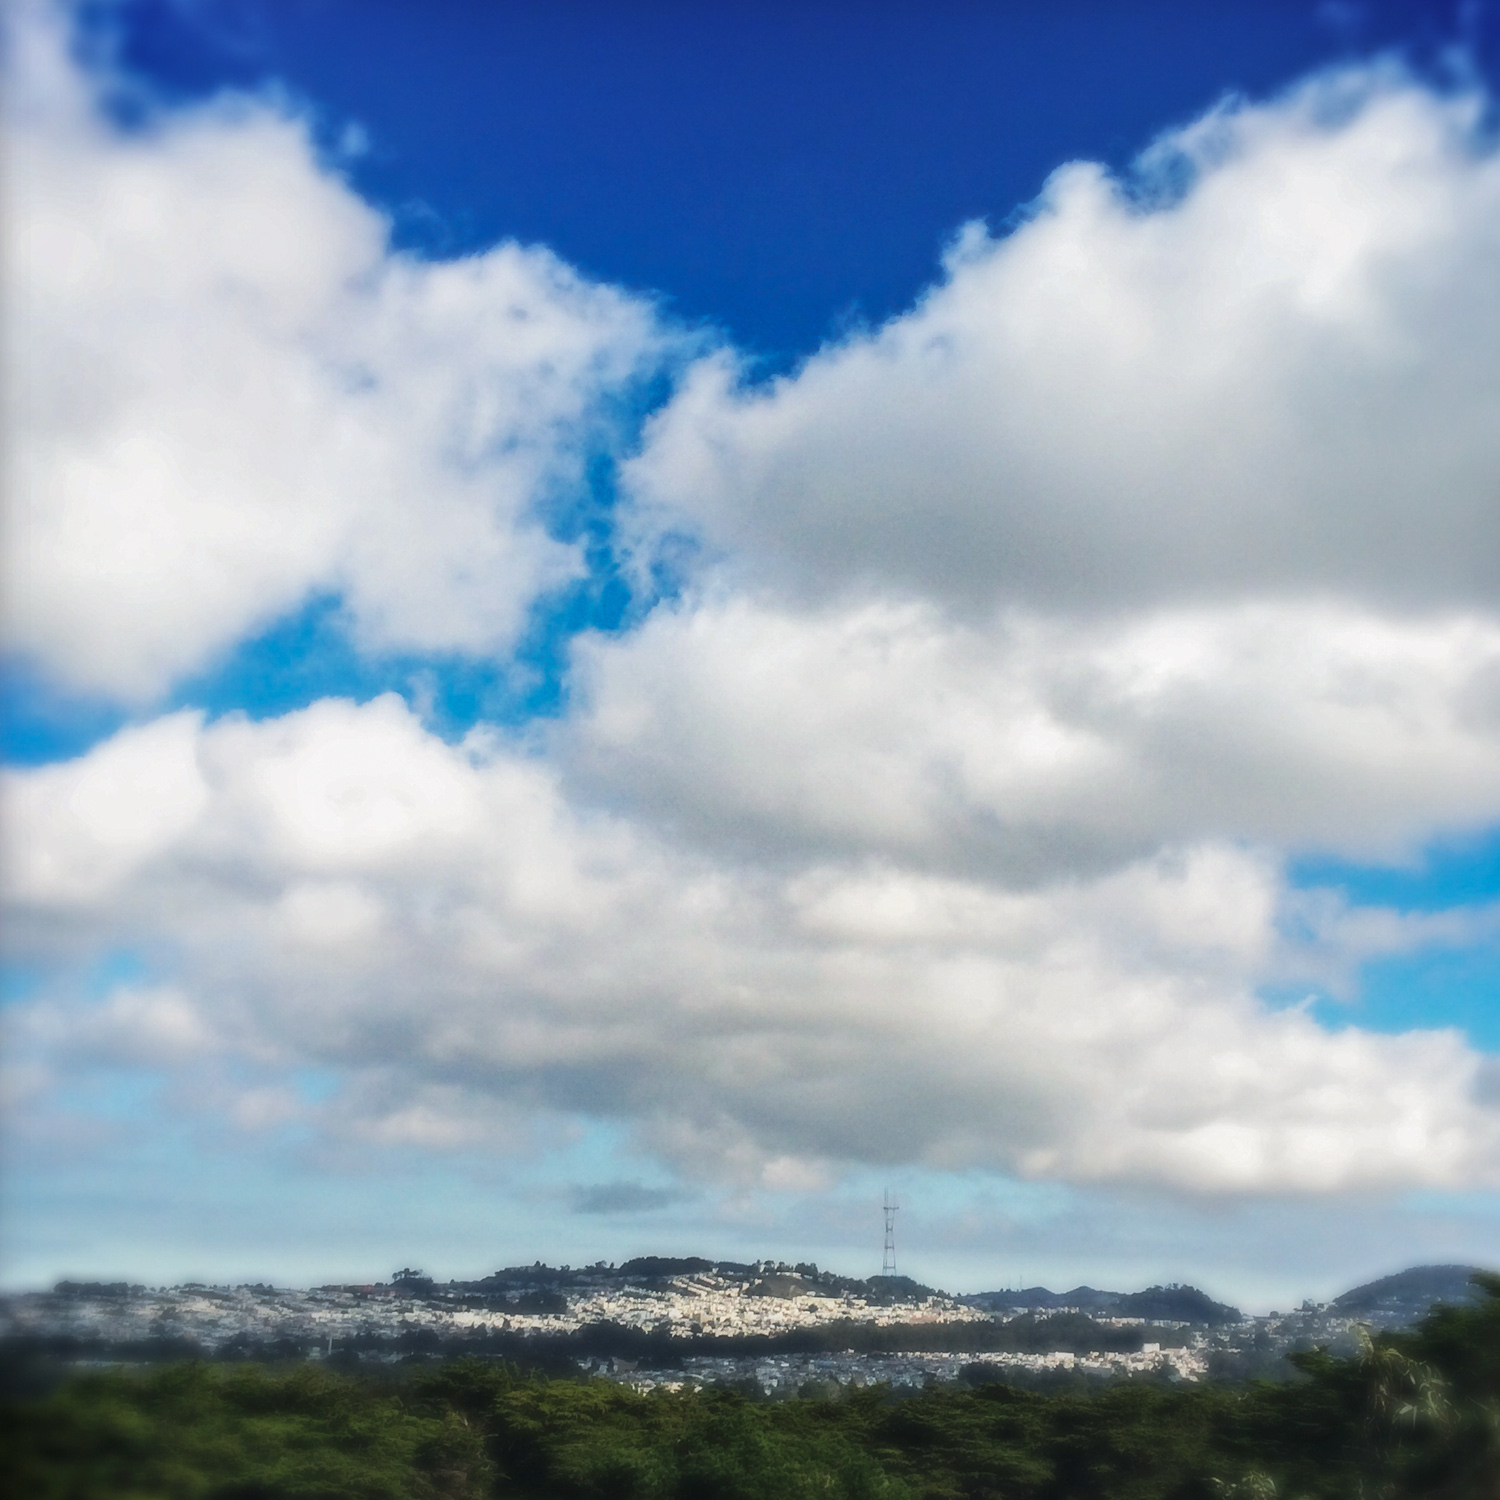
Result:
[
  {"x": 1033, "y": 746},
  {"x": 1038, "y": 746},
  {"x": 1040, "y": 625},
  {"x": 443, "y": 927},
  {"x": 943, "y": 819},
  {"x": 1278, "y": 378},
  {"x": 226, "y": 394}
]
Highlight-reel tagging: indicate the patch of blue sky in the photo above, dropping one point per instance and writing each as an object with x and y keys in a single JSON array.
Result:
[
  {"x": 1438, "y": 984},
  {"x": 773, "y": 168},
  {"x": 1457, "y": 987},
  {"x": 1477, "y": 1204},
  {"x": 944, "y": 1195},
  {"x": 121, "y": 1096},
  {"x": 1461, "y": 870},
  {"x": 590, "y": 1152},
  {"x": 195, "y": 1209},
  {"x": 315, "y": 1085},
  {"x": 312, "y": 653},
  {"x": 20, "y": 982},
  {"x": 1430, "y": 990},
  {"x": 118, "y": 968},
  {"x": 1418, "y": 992},
  {"x": 41, "y": 722},
  {"x": 185, "y": 1202}
]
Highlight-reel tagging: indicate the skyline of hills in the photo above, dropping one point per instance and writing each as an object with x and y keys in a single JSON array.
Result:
[{"x": 1391, "y": 1301}]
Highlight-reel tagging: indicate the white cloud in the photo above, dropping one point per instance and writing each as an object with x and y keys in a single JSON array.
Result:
[
  {"x": 151, "y": 1024},
  {"x": 1034, "y": 746},
  {"x": 466, "y": 947},
  {"x": 1281, "y": 380},
  {"x": 79, "y": 829},
  {"x": 942, "y": 821},
  {"x": 1041, "y": 624},
  {"x": 226, "y": 394}
]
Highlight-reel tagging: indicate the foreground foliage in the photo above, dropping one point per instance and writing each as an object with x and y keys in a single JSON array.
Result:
[{"x": 1413, "y": 1416}]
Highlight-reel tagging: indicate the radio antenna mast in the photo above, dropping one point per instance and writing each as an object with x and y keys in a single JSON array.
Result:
[{"x": 888, "y": 1260}]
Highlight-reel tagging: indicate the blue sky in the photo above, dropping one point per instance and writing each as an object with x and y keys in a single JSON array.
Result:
[
  {"x": 775, "y": 170},
  {"x": 630, "y": 622}
]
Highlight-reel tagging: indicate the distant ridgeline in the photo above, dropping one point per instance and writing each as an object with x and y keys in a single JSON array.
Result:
[
  {"x": 1399, "y": 1301},
  {"x": 1157, "y": 1304},
  {"x": 668, "y": 1267},
  {"x": 663, "y": 1312},
  {"x": 514, "y": 1285},
  {"x": 1160, "y": 1304}
]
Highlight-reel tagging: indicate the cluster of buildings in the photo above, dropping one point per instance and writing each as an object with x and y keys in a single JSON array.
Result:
[
  {"x": 660, "y": 1324},
  {"x": 699, "y": 1304},
  {"x": 813, "y": 1374},
  {"x": 718, "y": 1305}
]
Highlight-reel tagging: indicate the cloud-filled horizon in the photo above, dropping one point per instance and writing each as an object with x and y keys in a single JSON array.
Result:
[{"x": 1014, "y": 764}]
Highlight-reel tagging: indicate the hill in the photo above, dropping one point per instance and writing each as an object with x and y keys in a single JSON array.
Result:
[
  {"x": 1402, "y": 1299},
  {"x": 1160, "y": 1304}
]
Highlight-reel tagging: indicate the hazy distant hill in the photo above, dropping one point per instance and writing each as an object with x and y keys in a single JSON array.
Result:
[
  {"x": 1394, "y": 1301},
  {"x": 1175, "y": 1304},
  {"x": 1167, "y": 1304}
]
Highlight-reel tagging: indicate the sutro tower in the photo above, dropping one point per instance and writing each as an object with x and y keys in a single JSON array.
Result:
[{"x": 888, "y": 1260}]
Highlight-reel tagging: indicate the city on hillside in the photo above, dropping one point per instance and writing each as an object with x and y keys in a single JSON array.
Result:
[{"x": 767, "y": 1328}]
